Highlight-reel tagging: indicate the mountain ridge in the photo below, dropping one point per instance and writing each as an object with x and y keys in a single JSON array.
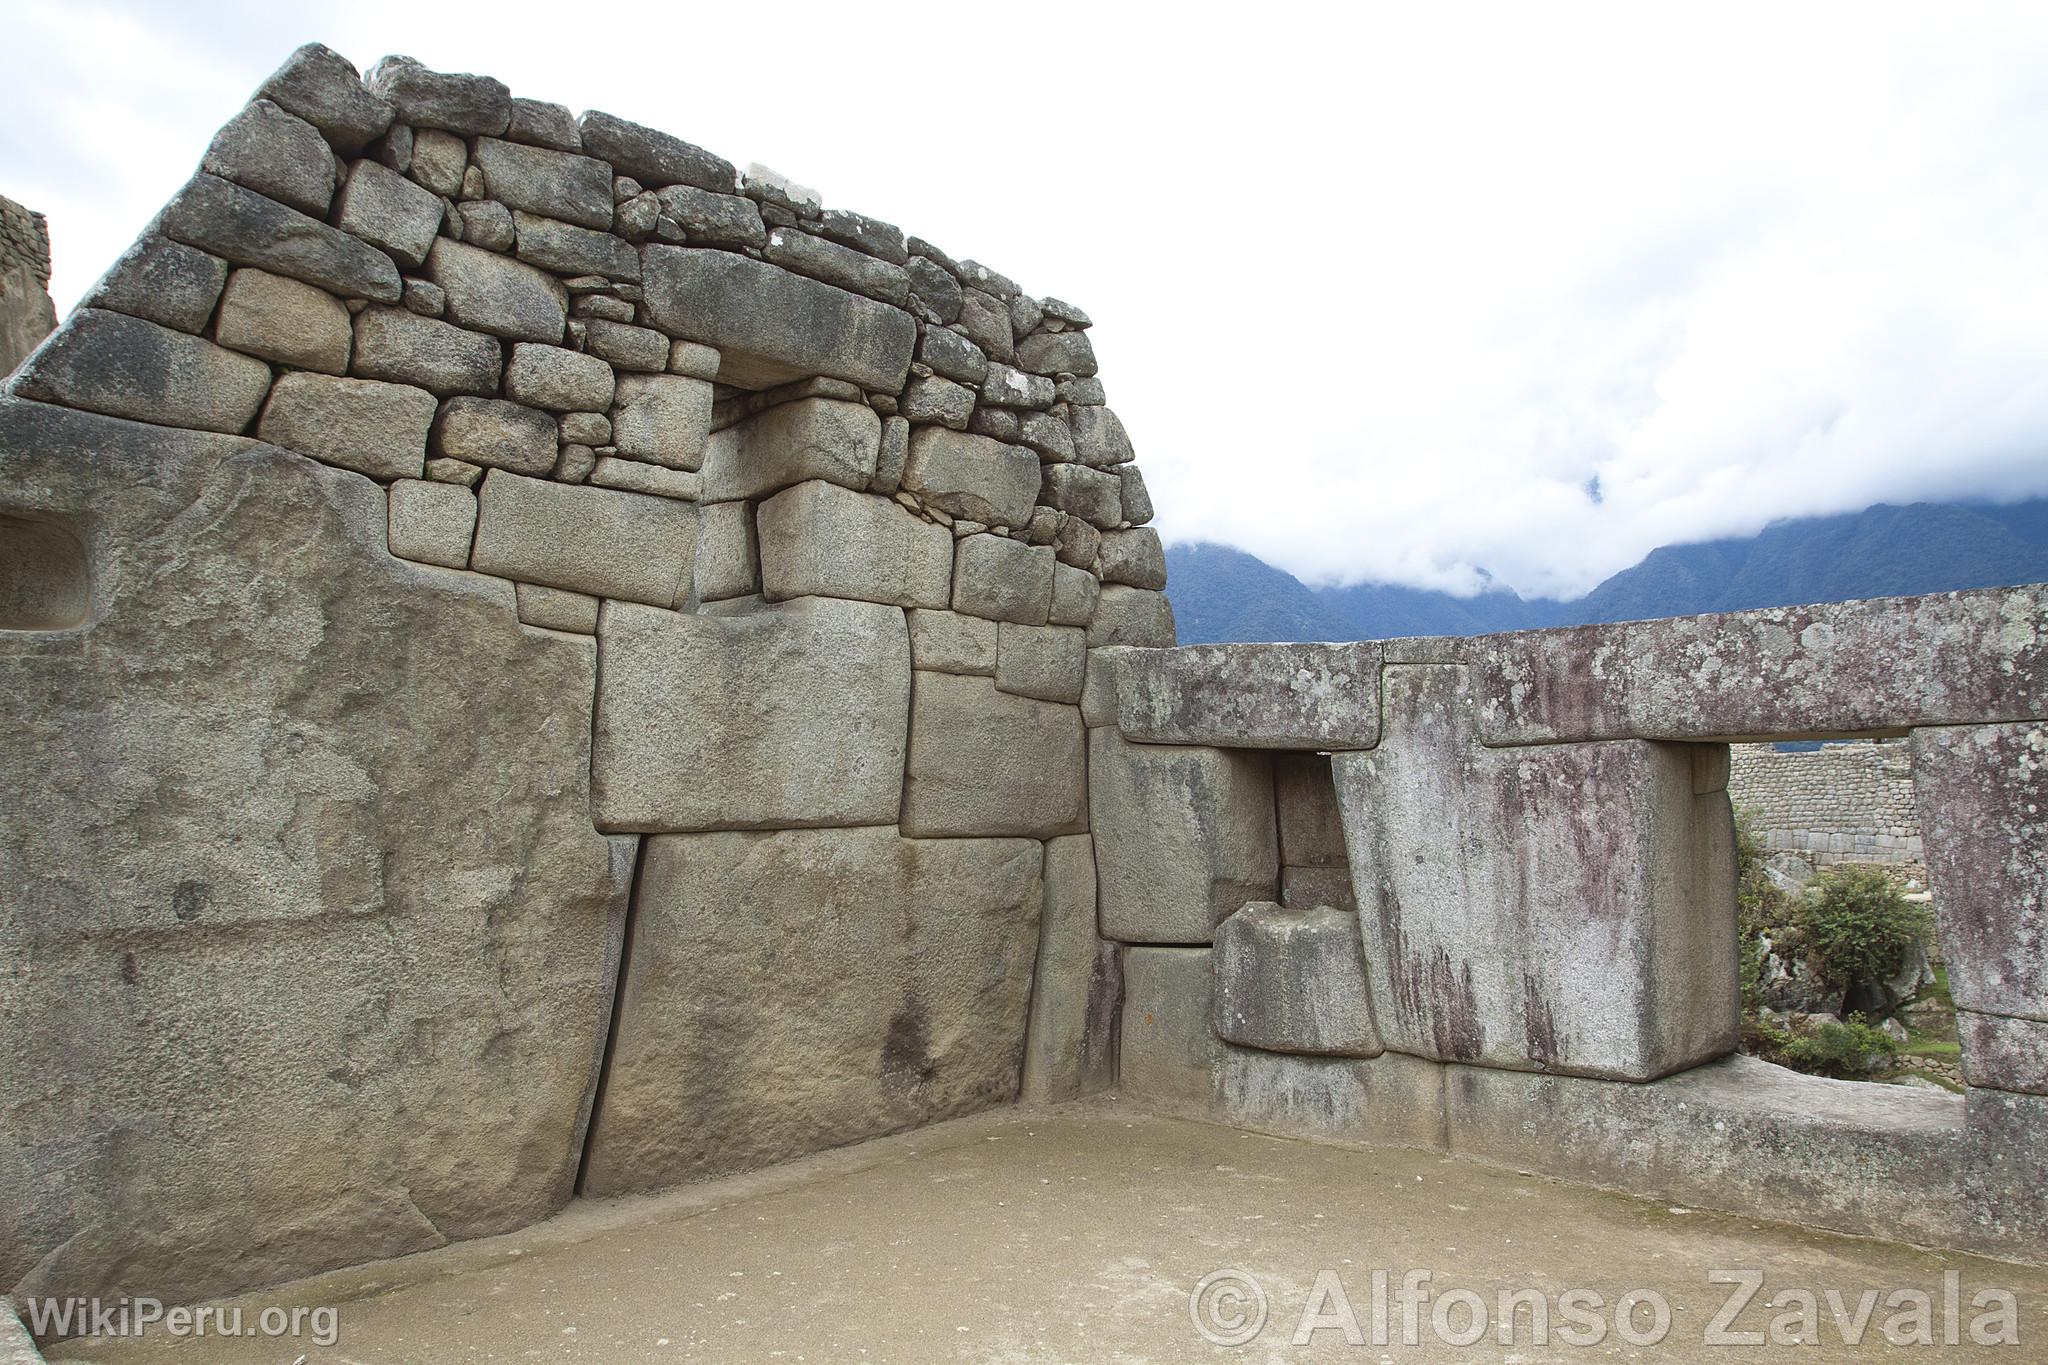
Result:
[{"x": 1221, "y": 594}]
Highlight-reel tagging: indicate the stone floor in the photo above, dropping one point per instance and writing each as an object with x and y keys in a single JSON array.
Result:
[{"x": 1076, "y": 1234}]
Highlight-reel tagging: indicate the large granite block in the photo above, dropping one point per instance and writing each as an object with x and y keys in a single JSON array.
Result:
[
  {"x": 1565, "y": 909},
  {"x": 783, "y": 718},
  {"x": 1254, "y": 696},
  {"x": 788, "y": 992},
  {"x": 1167, "y": 1055},
  {"x": 983, "y": 762},
  {"x": 1077, "y": 989},
  {"x": 602, "y": 541},
  {"x": 772, "y": 326},
  {"x": 124, "y": 367},
  {"x": 1294, "y": 981},
  {"x": 813, "y": 438},
  {"x": 1183, "y": 836},
  {"x": 821, "y": 539}
]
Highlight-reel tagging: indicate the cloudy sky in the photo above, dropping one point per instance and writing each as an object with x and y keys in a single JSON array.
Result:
[{"x": 1401, "y": 293}]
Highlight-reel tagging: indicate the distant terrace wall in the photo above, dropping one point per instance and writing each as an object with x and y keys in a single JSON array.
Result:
[{"x": 1839, "y": 803}]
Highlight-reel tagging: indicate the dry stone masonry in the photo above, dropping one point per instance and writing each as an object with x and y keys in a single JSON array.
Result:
[
  {"x": 26, "y": 313},
  {"x": 1845, "y": 803},
  {"x": 540, "y": 662},
  {"x": 538, "y": 659}
]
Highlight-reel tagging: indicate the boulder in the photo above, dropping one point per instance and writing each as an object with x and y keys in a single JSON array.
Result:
[
  {"x": 385, "y": 209},
  {"x": 971, "y": 476},
  {"x": 1293, "y": 980},
  {"x": 1183, "y": 836},
  {"x": 602, "y": 541},
  {"x": 492, "y": 432},
  {"x": 771, "y": 326},
  {"x": 799, "y": 990},
  {"x": 819, "y": 538},
  {"x": 124, "y": 367},
  {"x": 559, "y": 379},
  {"x": 402, "y": 347},
  {"x": 247, "y": 228},
  {"x": 361, "y": 424},
  {"x": 490, "y": 293},
  {"x": 985, "y": 762},
  {"x": 786, "y": 717},
  {"x": 813, "y": 438},
  {"x": 576, "y": 189},
  {"x": 280, "y": 319},
  {"x": 665, "y": 418},
  {"x": 161, "y": 281},
  {"x": 373, "y": 897},
  {"x": 1003, "y": 580}
]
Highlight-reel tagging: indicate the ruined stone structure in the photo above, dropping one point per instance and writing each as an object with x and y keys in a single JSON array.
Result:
[
  {"x": 26, "y": 313},
  {"x": 540, "y": 663},
  {"x": 1845, "y": 803}
]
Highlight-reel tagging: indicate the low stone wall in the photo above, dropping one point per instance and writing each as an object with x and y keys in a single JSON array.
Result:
[
  {"x": 1542, "y": 967},
  {"x": 536, "y": 660},
  {"x": 1841, "y": 803},
  {"x": 26, "y": 313}
]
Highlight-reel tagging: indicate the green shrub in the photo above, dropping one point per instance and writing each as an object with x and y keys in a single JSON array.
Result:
[
  {"x": 1857, "y": 926},
  {"x": 1847, "y": 1050}
]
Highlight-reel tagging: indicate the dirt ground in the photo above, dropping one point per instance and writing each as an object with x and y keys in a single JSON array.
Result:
[{"x": 1080, "y": 1234}]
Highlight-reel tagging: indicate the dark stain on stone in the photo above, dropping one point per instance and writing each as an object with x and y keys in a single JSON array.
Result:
[
  {"x": 1099, "y": 1040},
  {"x": 189, "y": 899},
  {"x": 1539, "y": 1026},
  {"x": 906, "y": 1050},
  {"x": 130, "y": 973}
]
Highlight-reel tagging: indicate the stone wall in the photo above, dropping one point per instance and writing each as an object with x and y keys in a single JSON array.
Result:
[
  {"x": 1840, "y": 803},
  {"x": 1541, "y": 970},
  {"x": 26, "y": 313},
  {"x": 538, "y": 660}
]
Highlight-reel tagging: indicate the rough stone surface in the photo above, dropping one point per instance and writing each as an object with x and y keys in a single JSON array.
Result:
[
  {"x": 714, "y": 219},
  {"x": 161, "y": 281},
  {"x": 248, "y": 229},
  {"x": 819, "y": 538},
  {"x": 402, "y": 347},
  {"x": 932, "y": 399},
  {"x": 996, "y": 577},
  {"x": 489, "y": 293},
  {"x": 1057, "y": 353},
  {"x": 544, "y": 125},
  {"x": 558, "y": 379},
  {"x": 838, "y": 265},
  {"x": 1305, "y": 799},
  {"x": 567, "y": 249},
  {"x": 1131, "y": 616},
  {"x": 1980, "y": 791},
  {"x": 401, "y": 858},
  {"x": 1183, "y": 837},
  {"x": 1293, "y": 981},
  {"x": 556, "y": 184},
  {"x": 1046, "y": 662},
  {"x": 124, "y": 367},
  {"x": 972, "y": 476},
  {"x": 1074, "y": 592},
  {"x": 456, "y": 102},
  {"x": 878, "y": 982},
  {"x": 1168, "y": 1056},
  {"x": 894, "y": 454},
  {"x": 553, "y": 609},
  {"x": 728, "y": 554},
  {"x": 716, "y": 722},
  {"x": 640, "y": 349},
  {"x": 983, "y": 762},
  {"x": 385, "y": 209},
  {"x": 1563, "y": 909},
  {"x": 1090, "y": 494},
  {"x": 597, "y": 540},
  {"x": 652, "y": 157},
  {"x": 665, "y": 418},
  {"x": 1077, "y": 990},
  {"x": 771, "y": 326},
  {"x": 1137, "y": 501},
  {"x": 1256, "y": 696},
  {"x": 1305, "y": 888},
  {"x": 949, "y": 642},
  {"x": 492, "y": 432},
  {"x": 2004, "y": 1053},
  {"x": 1387, "y": 1101},
  {"x": 373, "y": 428},
  {"x": 1960, "y": 658},
  {"x": 814, "y": 438},
  {"x": 611, "y": 471},
  {"x": 1135, "y": 558},
  {"x": 276, "y": 154},
  {"x": 953, "y": 356},
  {"x": 432, "y": 523},
  {"x": 322, "y": 87},
  {"x": 283, "y": 320},
  {"x": 439, "y": 161},
  {"x": 1100, "y": 440}
]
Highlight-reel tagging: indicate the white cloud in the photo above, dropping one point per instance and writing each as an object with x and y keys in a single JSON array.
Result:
[{"x": 1379, "y": 292}]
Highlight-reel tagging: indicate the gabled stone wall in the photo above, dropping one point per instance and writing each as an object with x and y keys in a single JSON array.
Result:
[
  {"x": 537, "y": 661},
  {"x": 26, "y": 313}
]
